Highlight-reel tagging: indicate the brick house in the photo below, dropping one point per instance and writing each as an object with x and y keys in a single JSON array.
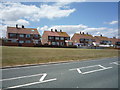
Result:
[
  {"x": 56, "y": 38},
  {"x": 82, "y": 39},
  {"x": 21, "y": 36},
  {"x": 103, "y": 40}
]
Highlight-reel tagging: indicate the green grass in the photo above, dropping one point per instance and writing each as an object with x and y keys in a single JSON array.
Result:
[{"x": 31, "y": 55}]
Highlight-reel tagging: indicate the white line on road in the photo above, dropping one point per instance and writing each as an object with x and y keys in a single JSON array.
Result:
[
  {"x": 79, "y": 69},
  {"x": 33, "y": 83},
  {"x": 21, "y": 77},
  {"x": 96, "y": 70},
  {"x": 116, "y": 63}
]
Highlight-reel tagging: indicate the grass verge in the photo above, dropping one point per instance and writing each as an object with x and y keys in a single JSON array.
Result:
[{"x": 33, "y": 55}]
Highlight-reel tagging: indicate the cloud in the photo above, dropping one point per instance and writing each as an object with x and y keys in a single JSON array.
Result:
[
  {"x": 71, "y": 29},
  {"x": 12, "y": 13},
  {"x": 111, "y": 23},
  {"x": 15, "y": 11}
]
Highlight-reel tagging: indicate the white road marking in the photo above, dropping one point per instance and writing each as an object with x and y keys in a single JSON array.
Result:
[
  {"x": 116, "y": 63},
  {"x": 79, "y": 69},
  {"x": 33, "y": 83},
  {"x": 28, "y": 84},
  {"x": 42, "y": 78},
  {"x": 21, "y": 77},
  {"x": 96, "y": 70}
]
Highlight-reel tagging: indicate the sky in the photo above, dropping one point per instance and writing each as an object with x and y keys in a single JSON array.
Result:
[{"x": 96, "y": 18}]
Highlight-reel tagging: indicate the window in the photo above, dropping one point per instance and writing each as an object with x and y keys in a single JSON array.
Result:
[
  {"x": 21, "y": 41},
  {"x": 69, "y": 43},
  {"x": 51, "y": 37},
  {"x": 28, "y": 41},
  {"x": 82, "y": 39},
  {"x": 87, "y": 40},
  {"x": 56, "y": 38},
  {"x": 58, "y": 43},
  {"x": 67, "y": 38},
  {"x": 61, "y": 43},
  {"x": 27, "y": 35},
  {"x": 36, "y": 41},
  {"x": 21, "y": 35},
  {"x": 36, "y": 36},
  {"x": 12, "y": 34},
  {"x": 14, "y": 41},
  {"x": 61, "y": 38},
  {"x": 53, "y": 43}
]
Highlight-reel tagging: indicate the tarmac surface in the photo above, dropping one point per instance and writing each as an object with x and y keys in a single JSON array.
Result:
[{"x": 99, "y": 73}]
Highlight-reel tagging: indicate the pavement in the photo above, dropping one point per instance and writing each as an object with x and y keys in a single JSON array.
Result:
[{"x": 99, "y": 73}]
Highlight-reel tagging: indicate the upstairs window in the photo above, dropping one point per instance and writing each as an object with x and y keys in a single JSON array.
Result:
[
  {"x": 61, "y": 38},
  {"x": 56, "y": 38},
  {"x": 67, "y": 38},
  {"x": 36, "y": 35},
  {"x": 27, "y": 35},
  {"x": 50, "y": 37},
  {"x": 82, "y": 39},
  {"x": 12, "y": 34},
  {"x": 21, "y": 35}
]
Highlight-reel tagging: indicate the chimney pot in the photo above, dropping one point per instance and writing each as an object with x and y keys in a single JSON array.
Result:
[
  {"x": 83, "y": 33},
  {"x": 101, "y": 35},
  {"x": 55, "y": 30},
  {"x": 22, "y": 26},
  {"x": 51, "y": 30},
  {"x": 80, "y": 33},
  {"x": 60, "y": 30},
  {"x": 17, "y": 26}
]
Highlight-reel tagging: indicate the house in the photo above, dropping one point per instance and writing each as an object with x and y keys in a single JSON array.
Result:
[
  {"x": 21, "y": 36},
  {"x": 82, "y": 39},
  {"x": 56, "y": 38},
  {"x": 103, "y": 40}
]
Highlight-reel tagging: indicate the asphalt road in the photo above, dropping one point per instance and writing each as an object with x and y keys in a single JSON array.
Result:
[{"x": 101, "y": 73}]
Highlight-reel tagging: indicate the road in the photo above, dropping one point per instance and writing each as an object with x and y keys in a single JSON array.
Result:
[{"x": 100, "y": 73}]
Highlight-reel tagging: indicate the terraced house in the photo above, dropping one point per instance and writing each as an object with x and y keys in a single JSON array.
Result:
[
  {"x": 21, "y": 36},
  {"x": 56, "y": 38},
  {"x": 82, "y": 39}
]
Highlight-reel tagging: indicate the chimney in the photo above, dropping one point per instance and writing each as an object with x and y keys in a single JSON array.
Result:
[
  {"x": 22, "y": 26},
  {"x": 60, "y": 30},
  {"x": 101, "y": 35},
  {"x": 55, "y": 30},
  {"x": 114, "y": 37},
  {"x": 17, "y": 26},
  {"x": 51, "y": 30},
  {"x": 80, "y": 33},
  {"x": 83, "y": 33}
]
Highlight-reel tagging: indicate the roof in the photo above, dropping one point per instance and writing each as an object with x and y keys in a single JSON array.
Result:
[
  {"x": 87, "y": 36},
  {"x": 22, "y": 30},
  {"x": 102, "y": 38},
  {"x": 53, "y": 33}
]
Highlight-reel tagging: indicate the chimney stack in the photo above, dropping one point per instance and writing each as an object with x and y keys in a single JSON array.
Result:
[
  {"x": 114, "y": 37},
  {"x": 22, "y": 26},
  {"x": 101, "y": 35},
  {"x": 80, "y": 33},
  {"x": 83, "y": 33},
  {"x": 55, "y": 30},
  {"x": 60, "y": 30},
  {"x": 51, "y": 30},
  {"x": 17, "y": 26}
]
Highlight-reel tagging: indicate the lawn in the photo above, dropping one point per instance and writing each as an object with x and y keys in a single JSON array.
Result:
[{"x": 31, "y": 55}]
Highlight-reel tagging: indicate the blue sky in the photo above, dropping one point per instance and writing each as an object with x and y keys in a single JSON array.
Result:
[{"x": 93, "y": 17}]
